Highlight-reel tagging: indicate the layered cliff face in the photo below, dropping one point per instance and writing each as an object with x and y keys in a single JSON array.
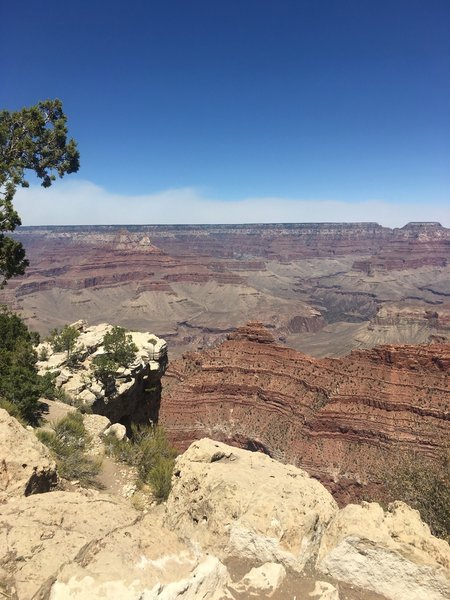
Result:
[
  {"x": 343, "y": 420},
  {"x": 322, "y": 288}
]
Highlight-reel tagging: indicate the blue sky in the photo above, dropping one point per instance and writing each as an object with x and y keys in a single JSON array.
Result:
[{"x": 239, "y": 110}]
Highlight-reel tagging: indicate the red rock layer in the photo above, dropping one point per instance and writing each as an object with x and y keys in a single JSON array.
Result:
[{"x": 340, "y": 419}]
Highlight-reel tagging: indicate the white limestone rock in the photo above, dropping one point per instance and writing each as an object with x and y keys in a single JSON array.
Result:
[
  {"x": 238, "y": 503},
  {"x": 141, "y": 561},
  {"x": 324, "y": 591},
  {"x": 117, "y": 430},
  {"x": 26, "y": 466},
  {"x": 391, "y": 553},
  {"x": 265, "y": 579},
  {"x": 45, "y": 531},
  {"x": 79, "y": 382}
]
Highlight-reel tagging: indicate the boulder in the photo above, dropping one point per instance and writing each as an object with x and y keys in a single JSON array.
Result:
[
  {"x": 170, "y": 577},
  {"x": 391, "y": 553},
  {"x": 90, "y": 545},
  {"x": 26, "y": 466},
  {"x": 238, "y": 503},
  {"x": 265, "y": 579},
  {"x": 117, "y": 430},
  {"x": 324, "y": 591}
]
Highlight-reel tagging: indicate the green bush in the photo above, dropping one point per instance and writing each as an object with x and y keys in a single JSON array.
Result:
[
  {"x": 43, "y": 354},
  {"x": 68, "y": 442},
  {"x": 120, "y": 351},
  {"x": 119, "y": 346},
  {"x": 151, "y": 453},
  {"x": 104, "y": 370},
  {"x": 160, "y": 478},
  {"x": 20, "y": 383},
  {"x": 64, "y": 340}
]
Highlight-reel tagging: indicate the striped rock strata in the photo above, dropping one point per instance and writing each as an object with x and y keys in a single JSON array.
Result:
[{"x": 340, "y": 419}]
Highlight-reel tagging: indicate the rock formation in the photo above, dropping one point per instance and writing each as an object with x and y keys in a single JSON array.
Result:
[
  {"x": 248, "y": 505},
  {"x": 230, "y": 511},
  {"x": 236, "y": 504},
  {"x": 391, "y": 553},
  {"x": 26, "y": 466},
  {"x": 320, "y": 287},
  {"x": 340, "y": 419},
  {"x": 135, "y": 393}
]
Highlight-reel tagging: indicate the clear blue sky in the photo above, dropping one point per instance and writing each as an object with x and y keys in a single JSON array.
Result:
[{"x": 342, "y": 100}]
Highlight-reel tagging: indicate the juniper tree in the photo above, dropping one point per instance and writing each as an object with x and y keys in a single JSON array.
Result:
[{"x": 32, "y": 139}]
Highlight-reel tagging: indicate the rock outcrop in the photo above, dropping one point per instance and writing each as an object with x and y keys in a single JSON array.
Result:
[
  {"x": 135, "y": 391},
  {"x": 26, "y": 466},
  {"x": 391, "y": 553},
  {"x": 234, "y": 503},
  {"x": 340, "y": 419},
  {"x": 248, "y": 505},
  {"x": 229, "y": 510}
]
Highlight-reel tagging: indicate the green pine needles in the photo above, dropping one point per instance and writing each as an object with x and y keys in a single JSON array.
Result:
[{"x": 32, "y": 139}]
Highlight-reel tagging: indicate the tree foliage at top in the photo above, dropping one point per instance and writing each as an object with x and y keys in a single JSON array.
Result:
[{"x": 32, "y": 139}]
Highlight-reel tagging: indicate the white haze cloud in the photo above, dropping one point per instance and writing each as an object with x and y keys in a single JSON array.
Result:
[{"x": 84, "y": 203}]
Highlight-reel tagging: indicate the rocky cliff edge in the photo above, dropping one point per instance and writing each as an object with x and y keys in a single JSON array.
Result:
[{"x": 226, "y": 505}]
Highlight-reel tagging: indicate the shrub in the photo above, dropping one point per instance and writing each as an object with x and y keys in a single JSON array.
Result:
[
  {"x": 424, "y": 484},
  {"x": 104, "y": 370},
  {"x": 68, "y": 442},
  {"x": 64, "y": 340},
  {"x": 119, "y": 346},
  {"x": 43, "y": 354},
  {"x": 151, "y": 453},
  {"x": 13, "y": 410},
  {"x": 119, "y": 352},
  {"x": 160, "y": 478}
]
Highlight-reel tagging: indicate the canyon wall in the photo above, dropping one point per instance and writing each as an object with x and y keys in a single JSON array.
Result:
[
  {"x": 322, "y": 288},
  {"x": 342, "y": 420}
]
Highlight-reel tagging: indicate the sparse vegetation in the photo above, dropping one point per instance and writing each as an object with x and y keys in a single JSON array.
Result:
[
  {"x": 68, "y": 442},
  {"x": 424, "y": 484},
  {"x": 151, "y": 453}
]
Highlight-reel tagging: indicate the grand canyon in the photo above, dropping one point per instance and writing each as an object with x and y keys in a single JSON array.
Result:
[
  {"x": 324, "y": 289},
  {"x": 346, "y": 356},
  {"x": 323, "y": 347}
]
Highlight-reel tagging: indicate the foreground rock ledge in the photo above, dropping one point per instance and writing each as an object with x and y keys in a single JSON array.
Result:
[
  {"x": 26, "y": 466},
  {"x": 225, "y": 503},
  {"x": 237, "y": 503}
]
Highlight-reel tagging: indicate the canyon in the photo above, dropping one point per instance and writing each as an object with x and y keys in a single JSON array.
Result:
[
  {"x": 347, "y": 421},
  {"x": 324, "y": 288},
  {"x": 342, "y": 368}
]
